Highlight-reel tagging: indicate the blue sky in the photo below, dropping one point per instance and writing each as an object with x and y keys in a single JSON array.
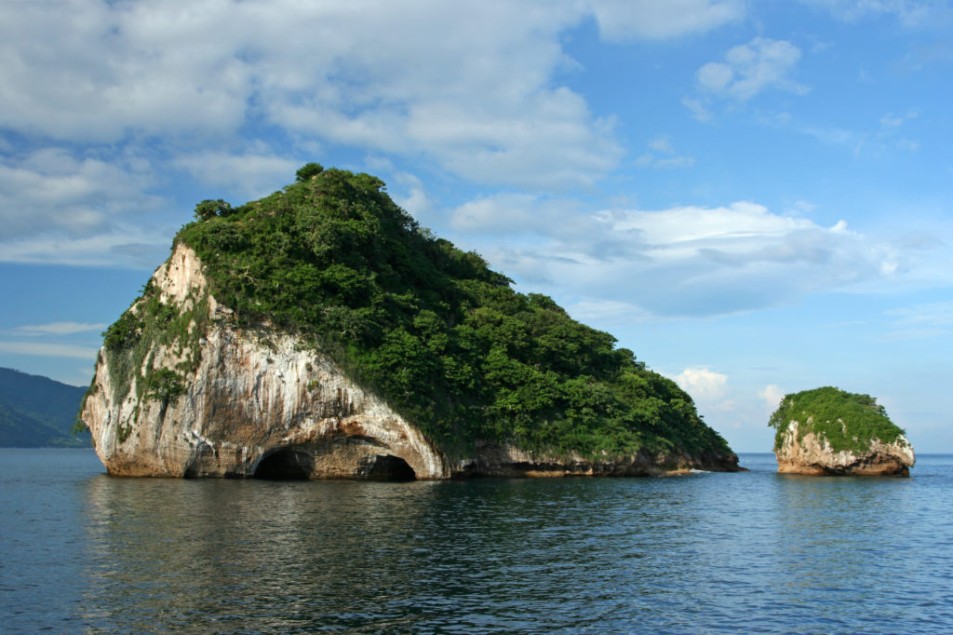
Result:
[{"x": 754, "y": 196}]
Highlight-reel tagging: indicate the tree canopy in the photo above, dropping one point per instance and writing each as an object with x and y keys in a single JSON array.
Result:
[{"x": 849, "y": 421}]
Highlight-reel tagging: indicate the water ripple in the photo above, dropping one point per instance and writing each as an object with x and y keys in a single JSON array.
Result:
[{"x": 707, "y": 553}]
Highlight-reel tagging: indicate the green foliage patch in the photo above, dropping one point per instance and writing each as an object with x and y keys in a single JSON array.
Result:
[
  {"x": 129, "y": 346},
  {"x": 431, "y": 328},
  {"x": 848, "y": 421}
]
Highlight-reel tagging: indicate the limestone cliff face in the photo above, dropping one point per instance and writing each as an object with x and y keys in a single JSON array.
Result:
[
  {"x": 258, "y": 402},
  {"x": 812, "y": 454},
  {"x": 219, "y": 400}
]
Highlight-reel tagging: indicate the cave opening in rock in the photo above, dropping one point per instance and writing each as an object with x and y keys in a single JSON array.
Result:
[
  {"x": 286, "y": 464},
  {"x": 386, "y": 467}
]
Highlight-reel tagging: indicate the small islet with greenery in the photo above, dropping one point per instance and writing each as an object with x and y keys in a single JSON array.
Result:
[
  {"x": 849, "y": 421},
  {"x": 443, "y": 338}
]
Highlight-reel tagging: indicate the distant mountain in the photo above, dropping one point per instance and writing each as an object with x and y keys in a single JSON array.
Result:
[{"x": 38, "y": 412}]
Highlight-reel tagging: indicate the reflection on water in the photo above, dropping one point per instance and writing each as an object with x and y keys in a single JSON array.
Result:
[{"x": 708, "y": 552}]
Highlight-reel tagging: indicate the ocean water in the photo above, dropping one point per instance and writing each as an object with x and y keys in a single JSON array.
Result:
[{"x": 756, "y": 552}]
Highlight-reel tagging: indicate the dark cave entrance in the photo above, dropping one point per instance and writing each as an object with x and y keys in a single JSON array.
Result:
[
  {"x": 299, "y": 463},
  {"x": 286, "y": 464},
  {"x": 385, "y": 467}
]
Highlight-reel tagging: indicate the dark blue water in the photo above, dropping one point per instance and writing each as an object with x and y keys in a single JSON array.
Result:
[{"x": 707, "y": 553}]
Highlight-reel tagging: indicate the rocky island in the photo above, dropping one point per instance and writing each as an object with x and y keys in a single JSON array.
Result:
[
  {"x": 827, "y": 431},
  {"x": 321, "y": 333}
]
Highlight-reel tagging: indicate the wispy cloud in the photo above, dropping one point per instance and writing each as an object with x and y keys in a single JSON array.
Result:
[
  {"x": 510, "y": 213},
  {"x": 751, "y": 68},
  {"x": 689, "y": 261},
  {"x": 54, "y": 188},
  {"x": 652, "y": 20},
  {"x": 59, "y": 328},
  {"x": 662, "y": 154},
  {"x": 45, "y": 349},
  {"x": 910, "y": 13},
  {"x": 58, "y": 206},
  {"x": 932, "y": 319},
  {"x": 124, "y": 245},
  {"x": 253, "y": 174}
]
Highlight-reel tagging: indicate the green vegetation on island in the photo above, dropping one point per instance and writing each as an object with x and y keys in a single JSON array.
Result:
[
  {"x": 443, "y": 338},
  {"x": 848, "y": 421}
]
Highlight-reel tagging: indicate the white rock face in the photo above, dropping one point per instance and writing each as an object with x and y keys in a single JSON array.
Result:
[
  {"x": 812, "y": 454},
  {"x": 257, "y": 403}
]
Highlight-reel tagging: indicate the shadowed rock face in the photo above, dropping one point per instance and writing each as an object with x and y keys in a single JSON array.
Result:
[{"x": 812, "y": 455}]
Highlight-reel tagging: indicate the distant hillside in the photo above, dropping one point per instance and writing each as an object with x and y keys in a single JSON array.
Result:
[{"x": 38, "y": 412}]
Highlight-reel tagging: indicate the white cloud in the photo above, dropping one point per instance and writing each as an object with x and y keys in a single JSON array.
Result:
[
  {"x": 405, "y": 188},
  {"x": 501, "y": 213},
  {"x": 683, "y": 260},
  {"x": 91, "y": 71},
  {"x": 60, "y": 207},
  {"x": 663, "y": 155},
  {"x": 660, "y": 19},
  {"x": 606, "y": 312},
  {"x": 507, "y": 213},
  {"x": 415, "y": 199},
  {"x": 51, "y": 189},
  {"x": 772, "y": 396},
  {"x": 484, "y": 107},
  {"x": 697, "y": 109},
  {"x": 752, "y": 68},
  {"x": 112, "y": 98},
  {"x": 703, "y": 384},
  {"x": 121, "y": 246},
  {"x": 251, "y": 174}
]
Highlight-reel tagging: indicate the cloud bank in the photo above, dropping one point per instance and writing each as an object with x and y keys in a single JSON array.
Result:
[
  {"x": 682, "y": 261},
  {"x": 107, "y": 102}
]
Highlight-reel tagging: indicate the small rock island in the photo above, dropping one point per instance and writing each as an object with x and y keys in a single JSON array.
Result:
[
  {"x": 320, "y": 332},
  {"x": 827, "y": 431}
]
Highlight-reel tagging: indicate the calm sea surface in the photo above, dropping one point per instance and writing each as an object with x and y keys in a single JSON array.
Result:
[{"x": 754, "y": 552}]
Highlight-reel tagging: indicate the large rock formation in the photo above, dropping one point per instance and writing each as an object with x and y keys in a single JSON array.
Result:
[
  {"x": 319, "y": 333},
  {"x": 830, "y": 432},
  {"x": 258, "y": 402},
  {"x": 812, "y": 454}
]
